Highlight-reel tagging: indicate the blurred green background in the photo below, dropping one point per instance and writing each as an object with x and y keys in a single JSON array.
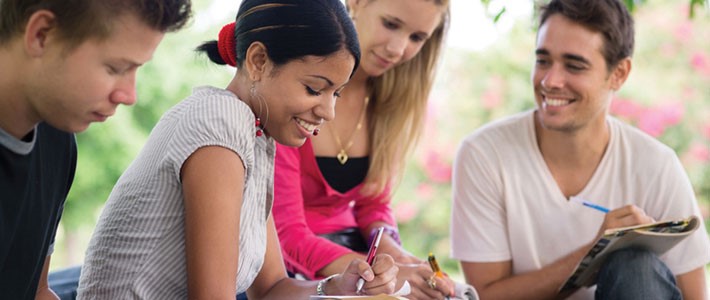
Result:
[{"x": 484, "y": 75}]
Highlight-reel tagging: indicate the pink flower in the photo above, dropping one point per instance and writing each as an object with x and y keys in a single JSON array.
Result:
[
  {"x": 701, "y": 63},
  {"x": 655, "y": 120},
  {"x": 684, "y": 32},
  {"x": 699, "y": 152},
  {"x": 652, "y": 122},
  {"x": 671, "y": 112},
  {"x": 425, "y": 191},
  {"x": 436, "y": 169},
  {"x": 706, "y": 131},
  {"x": 491, "y": 99},
  {"x": 405, "y": 211},
  {"x": 625, "y": 108}
]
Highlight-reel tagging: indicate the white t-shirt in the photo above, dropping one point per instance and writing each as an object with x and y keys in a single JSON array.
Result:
[{"x": 507, "y": 205}]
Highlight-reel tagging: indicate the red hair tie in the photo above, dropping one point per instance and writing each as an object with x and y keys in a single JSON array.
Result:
[{"x": 227, "y": 44}]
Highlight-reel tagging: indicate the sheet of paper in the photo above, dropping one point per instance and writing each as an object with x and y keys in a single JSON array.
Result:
[{"x": 403, "y": 291}]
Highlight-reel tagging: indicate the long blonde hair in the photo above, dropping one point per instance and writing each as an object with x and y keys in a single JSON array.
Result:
[{"x": 398, "y": 106}]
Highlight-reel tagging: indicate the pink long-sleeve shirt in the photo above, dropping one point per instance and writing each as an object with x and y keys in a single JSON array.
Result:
[{"x": 306, "y": 206}]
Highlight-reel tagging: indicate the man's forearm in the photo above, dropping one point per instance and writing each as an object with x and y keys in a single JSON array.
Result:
[{"x": 540, "y": 284}]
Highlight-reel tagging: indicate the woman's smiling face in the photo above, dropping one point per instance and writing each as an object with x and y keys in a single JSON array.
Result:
[{"x": 301, "y": 95}]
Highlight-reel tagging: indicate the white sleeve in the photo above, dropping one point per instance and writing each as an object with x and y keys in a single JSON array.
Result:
[
  {"x": 676, "y": 199},
  {"x": 478, "y": 218},
  {"x": 216, "y": 121}
]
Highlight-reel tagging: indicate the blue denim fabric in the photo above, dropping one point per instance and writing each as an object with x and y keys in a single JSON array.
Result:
[
  {"x": 636, "y": 274},
  {"x": 64, "y": 282},
  {"x": 242, "y": 296}
]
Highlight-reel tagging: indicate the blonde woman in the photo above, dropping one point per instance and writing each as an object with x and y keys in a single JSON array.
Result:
[{"x": 332, "y": 193}]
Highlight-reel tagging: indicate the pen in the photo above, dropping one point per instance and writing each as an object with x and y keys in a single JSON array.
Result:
[
  {"x": 371, "y": 256},
  {"x": 589, "y": 204},
  {"x": 434, "y": 265}
]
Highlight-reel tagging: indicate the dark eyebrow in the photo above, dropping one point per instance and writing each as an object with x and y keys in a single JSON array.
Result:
[
  {"x": 576, "y": 58},
  {"x": 565, "y": 56},
  {"x": 330, "y": 83}
]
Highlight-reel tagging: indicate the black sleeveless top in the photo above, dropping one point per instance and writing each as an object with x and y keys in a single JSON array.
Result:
[{"x": 343, "y": 178}]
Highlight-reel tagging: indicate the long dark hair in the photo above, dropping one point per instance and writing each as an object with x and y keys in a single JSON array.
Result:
[{"x": 291, "y": 29}]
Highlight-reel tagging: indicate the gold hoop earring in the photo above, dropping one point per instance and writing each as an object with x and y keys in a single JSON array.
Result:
[{"x": 254, "y": 95}]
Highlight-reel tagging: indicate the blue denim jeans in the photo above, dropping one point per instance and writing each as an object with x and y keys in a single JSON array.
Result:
[
  {"x": 64, "y": 282},
  {"x": 636, "y": 274}
]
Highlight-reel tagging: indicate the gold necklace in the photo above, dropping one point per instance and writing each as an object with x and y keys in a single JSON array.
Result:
[{"x": 343, "y": 154}]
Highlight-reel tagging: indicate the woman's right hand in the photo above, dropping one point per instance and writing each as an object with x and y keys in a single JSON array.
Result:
[
  {"x": 380, "y": 278},
  {"x": 418, "y": 276}
]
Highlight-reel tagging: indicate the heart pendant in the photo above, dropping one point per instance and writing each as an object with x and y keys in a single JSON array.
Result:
[{"x": 342, "y": 157}]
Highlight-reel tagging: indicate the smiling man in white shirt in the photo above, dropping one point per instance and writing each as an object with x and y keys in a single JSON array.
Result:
[{"x": 513, "y": 228}]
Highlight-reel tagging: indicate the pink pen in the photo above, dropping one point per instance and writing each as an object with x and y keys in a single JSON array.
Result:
[{"x": 371, "y": 255}]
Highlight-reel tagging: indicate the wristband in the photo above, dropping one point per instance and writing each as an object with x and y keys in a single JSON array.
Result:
[
  {"x": 391, "y": 231},
  {"x": 320, "y": 288}
]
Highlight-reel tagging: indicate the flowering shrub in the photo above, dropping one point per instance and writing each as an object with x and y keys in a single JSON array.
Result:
[{"x": 667, "y": 96}]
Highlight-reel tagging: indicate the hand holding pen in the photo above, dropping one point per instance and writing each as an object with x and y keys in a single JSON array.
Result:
[
  {"x": 437, "y": 274},
  {"x": 628, "y": 215},
  {"x": 370, "y": 256},
  {"x": 380, "y": 278}
]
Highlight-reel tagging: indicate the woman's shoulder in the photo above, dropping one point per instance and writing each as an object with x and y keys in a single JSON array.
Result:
[{"x": 207, "y": 101}]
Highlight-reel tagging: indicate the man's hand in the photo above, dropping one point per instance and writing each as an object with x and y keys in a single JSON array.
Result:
[{"x": 628, "y": 215}]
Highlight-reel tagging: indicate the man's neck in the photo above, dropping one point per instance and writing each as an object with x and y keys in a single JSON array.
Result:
[
  {"x": 572, "y": 147},
  {"x": 573, "y": 156}
]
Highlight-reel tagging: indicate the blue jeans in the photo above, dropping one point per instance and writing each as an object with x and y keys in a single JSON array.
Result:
[
  {"x": 636, "y": 274},
  {"x": 64, "y": 282}
]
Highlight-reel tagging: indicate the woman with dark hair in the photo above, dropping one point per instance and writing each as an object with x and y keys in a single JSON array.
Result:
[
  {"x": 334, "y": 192},
  {"x": 191, "y": 217}
]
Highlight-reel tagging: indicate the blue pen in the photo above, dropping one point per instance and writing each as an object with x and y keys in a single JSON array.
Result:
[{"x": 589, "y": 204}]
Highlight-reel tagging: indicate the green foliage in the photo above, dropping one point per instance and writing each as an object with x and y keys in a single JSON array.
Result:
[
  {"x": 698, "y": 3},
  {"x": 632, "y": 5}
]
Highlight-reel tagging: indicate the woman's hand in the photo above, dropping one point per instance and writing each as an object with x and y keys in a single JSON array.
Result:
[
  {"x": 380, "y": 278},
  {"x": 425, "y": 285}
]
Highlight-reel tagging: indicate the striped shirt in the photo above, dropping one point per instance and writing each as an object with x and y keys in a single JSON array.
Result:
[{"x": 138, "y": 247}]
